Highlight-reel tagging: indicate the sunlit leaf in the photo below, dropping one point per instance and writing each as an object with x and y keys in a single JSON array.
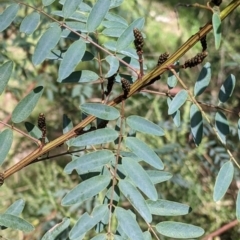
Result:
[
  {"x": 222, "y": 126},
  {"x": 143, "y": 125},
  {"x": 100, "y": 110},
  {"x": 26, "y": 105},
  {"x": 177, "y": 101},
  {"x": 99, "y": 136},
  {"x": 80, "y": 77},
  {"x": 90, "y": 161},
  {"x": 71, "y": 59},
  {"x": 30, "y": 23},
  {"x": 144, "y": 152},
  {"x": 6, "y": 138},
  {"x": 70, "y": 7},
  {"x": 5, "y": 74},
  {"x": 8, "y": 16},
  {"x": 114, "y": 65},
  {"x": 56, "y": 230},
  {"x": 128, "y": 224},
  {"x": 217, "y": 31},
  {"x": 139, "y": 177},
  {"x": 175, "y": 115},
  {"x": 223, "y": 181},
  {"x": 86, "y": 222},
  {"x": 86, "y": 189},
  {"x": 135, "y": 198},
  {"x": 227, "y": 88},
  {"x": 127, "y": 36},
  {"x": 203, "y": 80},
  {"x": 179, "y": 230},
  {"x": 97, "y": 14},
  {"x": 116, "y": 18},
  {"x": 172, "y": 80},
  {"x": 163, "y": 207},
  {"x": 196, "y": 124},
  {"x": 158, "y": 176},
  {"x": 45, "y": 44},
  {"x": 14, "y": 222},
  {"x": 116, "y": 3},
  {"x": 33, "y": 130}
]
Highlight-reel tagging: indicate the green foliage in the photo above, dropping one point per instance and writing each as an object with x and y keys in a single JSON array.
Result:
[{"x": 118, "y": 155}]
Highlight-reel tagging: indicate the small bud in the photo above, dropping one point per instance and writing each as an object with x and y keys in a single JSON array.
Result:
[
  {"x": 1, "y": 179},
  {"x": 138, "y": 42},
  {"x": 162, "y": 58},
  {"x": 42, "y": 124}
]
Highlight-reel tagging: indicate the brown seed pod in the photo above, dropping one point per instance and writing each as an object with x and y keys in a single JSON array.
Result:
[
  {"x": 125, "y": 86},
  {"x": 203, "y": 41},
  {"x": 42, "y": 124},
  {"x": 195, "y": 60},
  {"x": 1, "y": 179},
  {"x": 110, "y": 83},
  {"x": 138, "y": 42},
  {"x": 162, "y": 58}
]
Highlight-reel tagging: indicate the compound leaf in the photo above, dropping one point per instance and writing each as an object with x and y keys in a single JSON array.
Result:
[
  {"x": 14, "y": 222},
  {"x": 179, "y": 230},
  {"x": 167, "y": 208},
  {"x": 5, "y": 74},
  {"x": 56, "y": 230},
  {"x": 8, "y": 16},
  {"x": 71, "y": 59},
  {"x": 142, "y": 125},
  {"x": 144, "y": 152},
  {"x": 223, "y": 181},
  {"x": 86, "y": 189},
  {"x": 45, "y": 44},
  {"x": 227, "y": 88},
  {"x": 196, "y": 124},
  {"x": 100, "y": 110},
  {"x": 177, "y": 101},
  {"x": 139, "y": 177},
  {"x": 203, "y": 80},
  {"x": 97, "y": 14},
  {"x": 128, "y": 224},
  {"x": 26, "y": 105},
  {"x": 30, "y": 23},
  {"x": 90, "y": 161},
  {"x": 99, "y": 136},
  {"x": 6, "y": 138},
  {"x": 135, "y": 198}
]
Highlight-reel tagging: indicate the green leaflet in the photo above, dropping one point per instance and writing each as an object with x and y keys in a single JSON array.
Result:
[
  {"x": 223, "y": 181},
  {"x": 6, "y": 138},
  {"x": 46, "y": 43},
  {"x": 179, "y": 230},
  {"x": 8, "y": 16},
  {"x": 86, "y": 189},
  {"x": 128, "y": 224},
  {"x": 97, "y": 14},
  {"x": 26, "y": 105},
  {"x": 30, "y": 23},
  {"x": 56, "y": 230},
  {"x": 5, "y": 74}
]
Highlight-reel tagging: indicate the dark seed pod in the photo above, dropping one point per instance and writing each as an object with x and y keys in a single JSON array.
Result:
[
  {"x": 125, "y": 86},
  {"x": 216, "y": 2},
  {"x": 42, "y": 124},
  {"x": 203, "y": 41},
  {"x": 195, "y": 60},
  {"x": 1, "y": 179},
  {"x": 110, "y": 83},
  {"x": 138, "y": 42},
  {"x": 162, "y": 58}
]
